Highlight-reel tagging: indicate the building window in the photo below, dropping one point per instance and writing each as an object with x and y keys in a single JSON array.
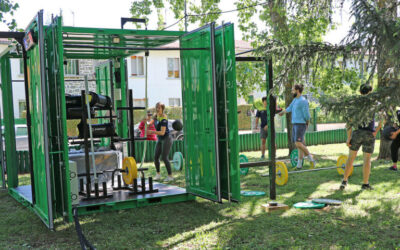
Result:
[
  {"x": 139, "y": 102},
  {"x": 22, "y": 108},
  {"x": 137, "y": 66},
  {"x": 174, "y": 102},
  {"x": 173, "y": 67},
  {"x": 21, "y": 131},
  {"x": 71, "y": 68},
  {"x": 21, "y": 66}
]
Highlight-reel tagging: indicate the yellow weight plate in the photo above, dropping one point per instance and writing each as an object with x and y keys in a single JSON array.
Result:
[
  {"x": 130, "y": 168},
  {"x": 312, "y": 166},
  {"x": 341, "y": 165},
  {"x": 282, "y": 175}
]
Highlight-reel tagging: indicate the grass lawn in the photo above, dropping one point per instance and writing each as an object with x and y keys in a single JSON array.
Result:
[{"x": 366, "y": 219}]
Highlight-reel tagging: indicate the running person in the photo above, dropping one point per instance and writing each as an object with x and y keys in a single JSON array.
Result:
[
  {"x": 164, "y": 143},
  {"x": 264, "y": 125},
  {"x": 300, "y": 120},
  {"x": 365, "y": 136}
]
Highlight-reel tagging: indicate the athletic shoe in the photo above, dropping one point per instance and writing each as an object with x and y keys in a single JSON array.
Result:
[
  {"x": 343, "y": 185},
  {"x": 394, "y": 168},
  {"x": 168, "y": 179},
  {"x": 311, "y": 159},
  {"x": 262, "y": 157},
  {"x": 366, "y": 187},
  {"x": 157, "y": 178}
]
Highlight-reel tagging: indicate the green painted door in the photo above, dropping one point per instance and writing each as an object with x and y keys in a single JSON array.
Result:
[
  {"x": 228, "y": 138},
  {"x": 43, "y": 204},
  {"x": 198, "y": 78}
]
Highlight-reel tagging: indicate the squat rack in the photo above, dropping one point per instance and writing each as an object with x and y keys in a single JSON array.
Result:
[{"x": 271, "y": 111}]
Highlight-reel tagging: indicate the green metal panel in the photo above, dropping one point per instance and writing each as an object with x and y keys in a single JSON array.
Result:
[
  {"x": 228, "y": 134},
  {"x": 75, "y": 36},
  {"x": 58, "y": 141},
  {"x": 38, "y": 150},
  {"x": 198, "y": 114},
  {"x": 122, "y": 86},
  {"x": 113, "y": 206},
  {"x": 9, "y": 131},
  {"x": 103, "y": 87},
  {"x": 2, "y": 170}
]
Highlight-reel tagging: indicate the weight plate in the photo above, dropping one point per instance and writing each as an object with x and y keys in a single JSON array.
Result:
[
  {"x": 294, "y": 156},
  {"x": 308, "y": 205},
  {"x": 281, "y": 173},
  {"x": 130, "y": 170},
  {"x": 341, "y": 165},
  {"x": 252, "y": 193},
  {"x": 177, "y": 161},
  {"x": 243, "y": 159},
  {"x": 327, "y": 201},
  {"x": 312, "y": 166}
]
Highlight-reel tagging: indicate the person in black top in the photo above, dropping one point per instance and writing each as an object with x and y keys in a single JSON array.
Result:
[
  {"x": 394, "y": 148},
  {"x": 364, "y": 136},
  {"x": 164, "y": 142},
  {"x": 264, "y": 125}
]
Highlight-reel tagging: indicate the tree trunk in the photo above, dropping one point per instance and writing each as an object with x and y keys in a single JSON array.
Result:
[{"x": 383, "y": 79}]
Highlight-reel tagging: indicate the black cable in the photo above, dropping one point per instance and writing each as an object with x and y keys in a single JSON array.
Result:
[
  {"x": 215, "y": 13},
  {"x": 173, "y": 23},
  {"x": 82, "y": 239},
  {"x": 227, "y": 11}
]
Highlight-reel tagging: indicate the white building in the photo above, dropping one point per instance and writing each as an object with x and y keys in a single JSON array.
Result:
[{"x": 164, "y": 77}]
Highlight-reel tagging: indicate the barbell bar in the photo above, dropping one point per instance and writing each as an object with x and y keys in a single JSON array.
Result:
[{"x": 282, "y": 175}]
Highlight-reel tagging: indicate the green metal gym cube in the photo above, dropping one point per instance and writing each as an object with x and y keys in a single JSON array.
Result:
[{"x": 209, "y": 112}]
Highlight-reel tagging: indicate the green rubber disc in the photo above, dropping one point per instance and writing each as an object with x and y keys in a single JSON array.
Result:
[
  {"x": 243, "y": 159},
  {"x": 327, "y": 202},
  {"x": 294, "y": 156},
  {"x": 252, "y": 193},
  {"x": 308, "y": 205}
]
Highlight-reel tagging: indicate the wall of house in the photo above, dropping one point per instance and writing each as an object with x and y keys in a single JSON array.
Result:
[{"x": 159, "y": 86}]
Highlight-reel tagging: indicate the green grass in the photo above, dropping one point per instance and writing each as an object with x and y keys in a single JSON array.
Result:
[{"x": 366, "y": 219}]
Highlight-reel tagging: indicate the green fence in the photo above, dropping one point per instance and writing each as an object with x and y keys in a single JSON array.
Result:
[{"x": 248, "y": 142}]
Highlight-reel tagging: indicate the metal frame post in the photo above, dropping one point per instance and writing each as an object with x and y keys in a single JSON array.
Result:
[{"x": 271, "y": 129}]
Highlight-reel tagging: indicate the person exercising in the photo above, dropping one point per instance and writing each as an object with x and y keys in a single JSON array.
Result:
[
  {"x": 164, "y": 143},
  {"x": 300, "y": 120},
  {"x": 394, "y": 148},
  {"x": 365, "y": 136},
  {"x": 262, "y": 114}
]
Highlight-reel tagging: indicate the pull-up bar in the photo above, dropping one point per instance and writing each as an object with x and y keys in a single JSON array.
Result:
[{"x": 66, "y": 45}]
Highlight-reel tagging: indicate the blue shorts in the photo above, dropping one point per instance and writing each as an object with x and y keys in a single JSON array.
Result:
[{"x": 298, "y": 132}]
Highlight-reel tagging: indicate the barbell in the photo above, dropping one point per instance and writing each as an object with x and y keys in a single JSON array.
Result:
[
  {"x": 282, "y": 175},
  {"x": 130, "y": 170}
]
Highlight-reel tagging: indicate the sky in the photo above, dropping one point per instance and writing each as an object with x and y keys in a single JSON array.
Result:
[{"x": 107, "y": 14}]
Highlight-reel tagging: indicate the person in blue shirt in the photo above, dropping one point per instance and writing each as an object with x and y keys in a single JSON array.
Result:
[
  {"x": 262, "y": 114},
  {"x": 300, "y": 120},
  {"x": 164, "y": 142},
  {"x": 363, "y": 136}
]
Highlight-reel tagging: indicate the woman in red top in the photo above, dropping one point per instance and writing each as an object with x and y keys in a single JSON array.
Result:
[{"x": 150, "y": 126}]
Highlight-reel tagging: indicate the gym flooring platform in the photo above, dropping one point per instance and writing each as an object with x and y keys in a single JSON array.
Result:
[{"x": 122, "y": 199}]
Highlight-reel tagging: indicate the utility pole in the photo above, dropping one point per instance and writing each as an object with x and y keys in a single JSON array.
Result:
[{"x": 185, "y": 17}]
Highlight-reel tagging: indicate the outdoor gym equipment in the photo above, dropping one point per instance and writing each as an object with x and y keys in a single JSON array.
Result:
[
  {"x": 294, "y": 158},
  {"x": 282, "y": 174},
  {"x": 309, "y": 205},
  {"x": 280, "y": 168},
  {"x": 177, "y": 161}
]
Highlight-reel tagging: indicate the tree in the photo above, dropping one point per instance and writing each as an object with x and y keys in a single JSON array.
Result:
[
  {"x": 205, "y": 12},
  {"x": 7, "y": 9},
  {"x": 291, "y": 23},
  {"x": 374, "y": 35}
]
